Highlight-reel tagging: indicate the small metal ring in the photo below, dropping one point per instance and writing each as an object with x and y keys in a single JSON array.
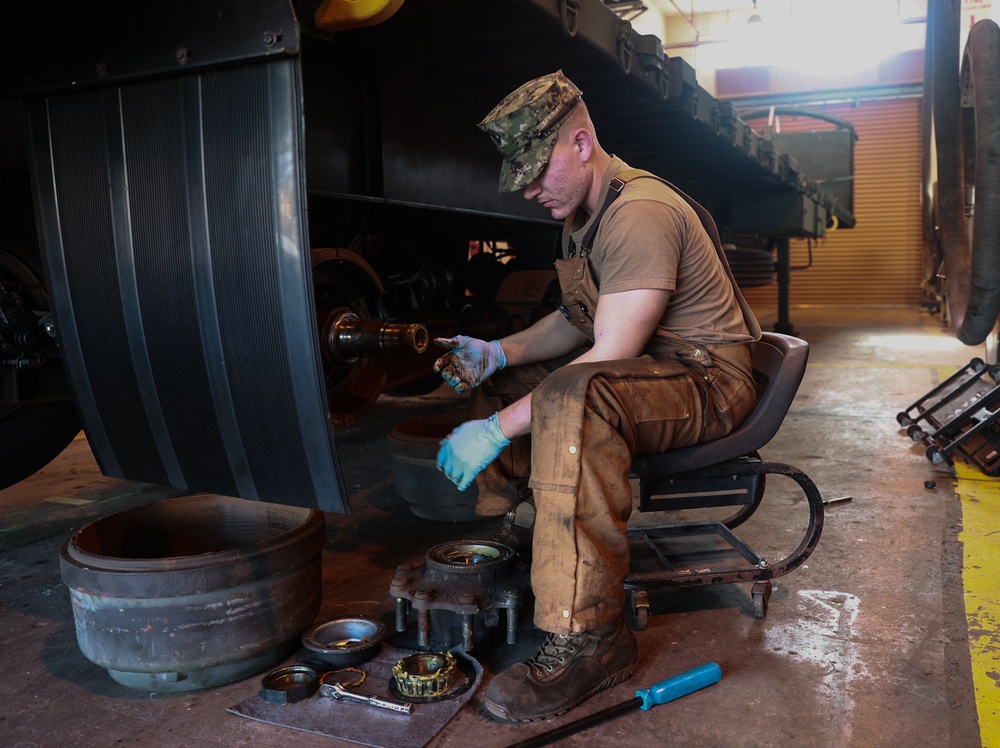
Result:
[
  {"x": 323, "y": 678},
  {"x": 288, "y": 685}
]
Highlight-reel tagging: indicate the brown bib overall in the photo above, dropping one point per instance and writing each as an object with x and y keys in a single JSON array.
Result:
[{"x": 587, "y": 422}]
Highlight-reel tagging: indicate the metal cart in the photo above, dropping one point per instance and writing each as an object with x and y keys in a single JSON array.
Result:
[
  {"x": 720, "y": 473},
  {"x": 960, "y": 415}
]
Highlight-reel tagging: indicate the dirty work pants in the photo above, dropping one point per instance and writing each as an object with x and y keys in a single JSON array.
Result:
[{"x": 587, "y": 421}]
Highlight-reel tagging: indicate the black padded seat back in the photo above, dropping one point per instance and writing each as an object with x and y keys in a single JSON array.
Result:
[{"x": 779, "y": 363}]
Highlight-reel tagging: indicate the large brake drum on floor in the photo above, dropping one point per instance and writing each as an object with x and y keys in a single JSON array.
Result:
[{"x": 194, "y": 592}]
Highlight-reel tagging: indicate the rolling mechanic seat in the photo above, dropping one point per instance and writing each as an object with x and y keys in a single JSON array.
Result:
[{"x": 719, "y": 473}]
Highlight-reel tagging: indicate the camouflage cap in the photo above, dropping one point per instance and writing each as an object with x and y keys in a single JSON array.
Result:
[{"x": 525, "y": 124}]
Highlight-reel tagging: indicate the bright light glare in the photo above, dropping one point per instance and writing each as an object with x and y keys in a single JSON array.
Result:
[
  {"x": 930, "y": 344},
  {"x": 815, "y": 37}
]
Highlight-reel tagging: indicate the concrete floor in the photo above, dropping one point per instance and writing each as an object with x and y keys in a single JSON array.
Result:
[{"x": 865, "y": 645}]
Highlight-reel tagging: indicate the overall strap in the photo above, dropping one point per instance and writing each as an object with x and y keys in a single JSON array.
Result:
[{"x": 615, "y": 189}]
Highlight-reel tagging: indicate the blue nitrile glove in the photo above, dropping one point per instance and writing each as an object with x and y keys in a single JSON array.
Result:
[
  {"x": 470, "y": 448},
  {"x": 469, "y": 361}
]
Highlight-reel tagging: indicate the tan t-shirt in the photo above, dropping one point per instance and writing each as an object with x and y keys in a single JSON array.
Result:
[{"x": 650, "y": 237}]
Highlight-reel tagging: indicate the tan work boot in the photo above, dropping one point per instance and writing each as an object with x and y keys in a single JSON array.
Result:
[{"x": 563, "y": 673}]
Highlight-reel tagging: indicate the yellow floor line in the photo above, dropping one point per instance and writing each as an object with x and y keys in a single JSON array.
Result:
[{"x": 980, "y": 496}]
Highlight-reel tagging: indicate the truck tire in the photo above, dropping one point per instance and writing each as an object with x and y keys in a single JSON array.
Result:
[
  {"x": 32, "y": 435},
  {"x": 981, "y": 137}
]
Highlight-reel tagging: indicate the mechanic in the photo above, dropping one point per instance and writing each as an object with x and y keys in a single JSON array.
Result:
[{"x": 649, "y": 351}]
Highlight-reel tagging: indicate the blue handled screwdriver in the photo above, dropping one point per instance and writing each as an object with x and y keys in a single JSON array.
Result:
[{"x": 645, "y": 699}]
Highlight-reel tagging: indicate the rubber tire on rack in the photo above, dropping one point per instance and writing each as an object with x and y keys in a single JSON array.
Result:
[
  {"x": 32, "y": 434},
  {"x": 967, "y": 134}
]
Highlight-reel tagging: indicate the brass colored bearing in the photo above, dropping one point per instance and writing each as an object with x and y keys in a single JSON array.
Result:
[{"x": 424, "y": 674}]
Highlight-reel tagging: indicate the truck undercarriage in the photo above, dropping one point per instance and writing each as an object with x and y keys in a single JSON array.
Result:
[{"x": 249, "y": 224}]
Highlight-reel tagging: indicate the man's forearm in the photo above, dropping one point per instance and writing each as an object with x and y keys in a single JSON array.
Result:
[
  {"x": 623, "y": 324},
  {"x": 550, "y": 337},
  {"x": 515, "y": 419}
]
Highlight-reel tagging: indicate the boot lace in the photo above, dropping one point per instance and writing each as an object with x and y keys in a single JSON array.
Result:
[{"x": 555, "y": 650}]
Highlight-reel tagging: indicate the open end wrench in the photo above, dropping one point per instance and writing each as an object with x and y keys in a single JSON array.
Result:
[{"x": 337, "y": 691}]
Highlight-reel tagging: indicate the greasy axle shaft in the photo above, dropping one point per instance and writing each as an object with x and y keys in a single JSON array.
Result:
[{"x": 348, "y": 337}]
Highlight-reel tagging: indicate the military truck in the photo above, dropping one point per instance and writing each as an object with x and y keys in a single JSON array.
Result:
[{"x": 230, "y": 225}]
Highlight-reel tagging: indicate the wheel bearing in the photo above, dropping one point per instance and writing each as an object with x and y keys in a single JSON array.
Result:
[{"x": 424, "y": 675}]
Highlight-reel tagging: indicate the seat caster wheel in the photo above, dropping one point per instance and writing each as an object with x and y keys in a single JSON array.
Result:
[
  {"x": 761, "y": 593},
  {"x": 641, "y": 619},
  {"x": 639, "y": 604}
]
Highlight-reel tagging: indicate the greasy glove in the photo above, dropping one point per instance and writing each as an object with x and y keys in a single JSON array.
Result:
[
  {"x": 469, "y": 361},
  {"x": 470, "y": 448}
]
